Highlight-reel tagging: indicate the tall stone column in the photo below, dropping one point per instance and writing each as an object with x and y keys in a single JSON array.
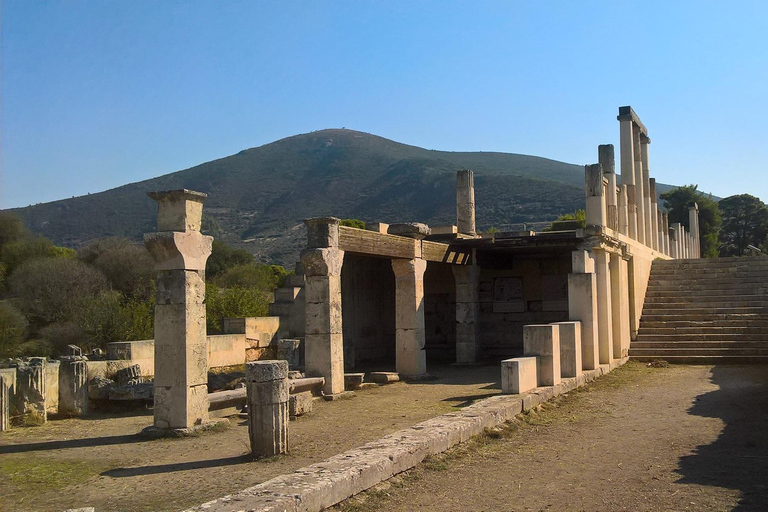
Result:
[
  {"x": 267, "y": 394},
  {"x": 410, "y": 358},
  {"x": 180, "y": 252},
  {"x": 693, "y": 222},
  {"x": 673, "y": 242},
  {"x": 595, "y": 195},
  {"x": 607, "y": 162},
  {"x": 639, "y": 188},
  {"x": 665, "y": 233},
  {"x": 582, "y": 306},
  {"x": 660, "y": 230},
  {"x": 73, "y": 385},
  {"x": 604, "y": 305},
  {"x": 650, "y": 233},
  {"x": 323, "y": 338},
  {"x": 627, "y": 149},
  {"x": 465, "y": 202},
  {"x": 467, "y": 279},
  {"x": 620, "y": 305},
  {"x": 623, "y": 211},
  {"x": 653, "y": 213},
  {"x": 5, "y": 408},
  {"x": 31, "y": 390}
]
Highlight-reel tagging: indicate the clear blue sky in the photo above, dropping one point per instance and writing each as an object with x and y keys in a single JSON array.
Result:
[{"x": 95, "y": 94}]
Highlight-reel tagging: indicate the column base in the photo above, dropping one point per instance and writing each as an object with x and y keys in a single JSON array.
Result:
[{"x": 153, "y": 432}]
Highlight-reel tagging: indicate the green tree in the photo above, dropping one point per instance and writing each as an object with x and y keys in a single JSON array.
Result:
[
  {"x": 127, "y": 265},
  {"x": 233, "y": 303},
  {"x": 353, "y": 223},
  {"x": 224, "y": 257},
  {"x": 677, "y": 202},
  {"x": 13, "y": 329},
  {"x": 745, "y": 222},
  {"x": 11, "y": 228}
]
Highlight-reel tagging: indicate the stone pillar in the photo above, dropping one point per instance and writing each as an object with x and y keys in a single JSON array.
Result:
[
  {"x": 323, "y": 334},
  {"x": 595, "y": 195},
  {"x": 267, "y": 397},
  {"x": 639, "y": 189},
  {"x": 620, "y": 305},
  {"x": 673, "y": 245},
  {"x": 693, "y": 222},
  {"x": 410, "y": 358},
  {"x": 543, "y": 341},
  {"x": 582, "y": 306},
  {"x": 653, "y": 213},
  {"x": 623, "y": 212},
  {"x": 467, "y": 312},
  {"x": 604, "y": 313},
  {"x": 628, "y": 174},
  {"x": 632, "y": 211},
  {"x": 665, "y": 233},
  {"x": 465, "y": 202},
  {"x": 650, "y": 234},
  {"x": 29, "y": 399},
  {"x": 570, "y": 349},
  {"x": 73, "y": 385},
  {"x": 180, "y": 252},
  {"x": 660, "y": 230},
  {"x": 519, "y": 375},
  {"x": 5, "y": 417},
  {"x": 607, "y": 163}
]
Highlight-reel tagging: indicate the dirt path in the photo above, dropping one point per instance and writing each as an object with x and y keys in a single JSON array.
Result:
[
  {"x": 678, "y": 438},
  {"x": 100, "y": 462}
]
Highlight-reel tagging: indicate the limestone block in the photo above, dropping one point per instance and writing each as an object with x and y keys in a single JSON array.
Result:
[
  {"x": 73, "y": 386},
  {"x": 5, "y": 410},
  {"x": 378, "y": 227},
  {"x": 543, "y": 341},
  {"x": 267, "y": 397},
  {"x": 383, "y": 377},
  {"x": 415, "y": 230},
  {"x": 291, "y": 351},
  {"x": 181, "y": 406},
  {"x": 179, "y": 210},
  {"x": 300, "y": 404},
  {"x": 322, "y": 232},
  {"x": 519, "y": 375},
  {"x": 174, "y": 250},
  {"x": 570, "y": 349},
  {"x": 321, "y": 262},
  {"x": 582, "y": 307},
  {"x": 582, "y": 262},
  {"x": 353, "y": 381},
  {"x": 52, "y": 387},
  {"x": 410, "y": 357},
  {"x": 29, "y": 399},
  {"x": 324, "y": 357}
]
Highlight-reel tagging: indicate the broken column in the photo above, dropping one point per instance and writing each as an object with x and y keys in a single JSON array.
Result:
[
  {"x": 465, "y": 202},
  {"x": 693, "y": 223},
  {"x": 604, "y": 306},
  {"x": 543, "y": 341},
  {"x": 467, "y": 279},
  {"x": 607, "y": 163},
  {"x": 323, "y": 341},
  {"x": 73, "y": 385},
  {"x": 582, "y": 306},
  {"x": 5, "y": 409},
  {"x": 180, "y": 252},
  {"x": 29, "y": 399},
  {"x": 267, "y": 398},
  {"x": 595, "y": 195}
]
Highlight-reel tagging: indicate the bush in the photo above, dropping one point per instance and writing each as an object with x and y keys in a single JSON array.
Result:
[
  {"x": 13, "y": 329},
  {"x": 224, "y": 257},
  {"x": 233, "y": 303},
  {"x": 263, "y": 277},
  {"x": 353, "y": 223}
]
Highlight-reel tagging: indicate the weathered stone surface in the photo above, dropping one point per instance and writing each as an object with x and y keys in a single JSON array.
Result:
[
  {"x": 410, "y": 357},
  {"x": 268, "y": 396},
  {"x": 582, "y": 307},
  {"x": 263, "y": 371},
  {"x": 415, "y": 230},
  {"x": 570, "y": 349},
  {"x": 300, "y": 404},
  {"x": 99, "y": 387},
  {"x": 179, "y": 210},
  {"x": 353, "y": 381},
  {"x": 29, "y": 399},
  {"x": 291, "y": 351},
  {"x": 73, "y": 386},
  {"x": 465, "y": 202},
  {"x": 173, "y": 250},
  {"x": 322, "y": 232},
  {"x": 519, "y": 375},
  {"x": 128, "y": 376},
  {"x": 543, "y": 341},
  {"x": 5, "y": 410},
  {"x": 384, "y": 377},
  {"x": 139, "y": 391}
]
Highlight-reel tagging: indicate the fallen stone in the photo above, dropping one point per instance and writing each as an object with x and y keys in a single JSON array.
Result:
[
  {"x": 129, "y": 375},
  {"x": 383, "y": 377},
  {"x": 300, "y": 404},
  {"x": 141, "y": 391},
  {"x": 99, "y": 387},
  {"x": 353, "y": 381}
]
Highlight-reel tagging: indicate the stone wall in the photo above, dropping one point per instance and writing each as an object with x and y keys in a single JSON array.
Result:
[{"x": 440, "y": 312}]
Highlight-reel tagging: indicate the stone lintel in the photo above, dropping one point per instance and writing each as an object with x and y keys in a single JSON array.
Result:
[
  {"x": 179, "y": 210},
  {"x": 415, "y": 230},
  {"x": 627, "y": 114}
]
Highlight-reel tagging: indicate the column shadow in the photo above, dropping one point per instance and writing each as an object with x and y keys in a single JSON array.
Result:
[
  {"x": 71, "y": 443},
  {"x": 181, "y": 466},
  {"x": 738, "y": 458}
]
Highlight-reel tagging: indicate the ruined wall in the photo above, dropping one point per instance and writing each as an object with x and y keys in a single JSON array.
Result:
[
  {"x": 517, "y": 291},
  {"x": 440, "y": 312},
  {"x": 368, "y": 311}
]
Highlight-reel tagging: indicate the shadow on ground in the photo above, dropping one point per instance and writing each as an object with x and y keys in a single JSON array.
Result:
[
  {"x": 182, "y": 466},
  {"x": 71, "y": 443},
  {"x": 738, "y": 459}
]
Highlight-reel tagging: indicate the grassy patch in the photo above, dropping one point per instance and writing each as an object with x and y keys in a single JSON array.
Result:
[{"x": 29, "y": 472}]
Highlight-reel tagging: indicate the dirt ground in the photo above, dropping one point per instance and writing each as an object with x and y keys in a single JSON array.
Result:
[
  {"x": 639, "y": 439},
  {"x": 99, "y": 461}
]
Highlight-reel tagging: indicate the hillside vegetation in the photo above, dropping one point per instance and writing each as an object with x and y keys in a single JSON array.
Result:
[{"x": 259, "y": 197}]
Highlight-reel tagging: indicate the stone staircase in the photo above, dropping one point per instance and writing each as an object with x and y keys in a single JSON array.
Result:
[{"x": 705, "y": 311}]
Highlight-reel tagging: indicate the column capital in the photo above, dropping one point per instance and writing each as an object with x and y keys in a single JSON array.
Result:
[
  {"x": 176, "y": 250},
  {"x": 407, "y": 268},
  {"x": 322, "y": 261}
]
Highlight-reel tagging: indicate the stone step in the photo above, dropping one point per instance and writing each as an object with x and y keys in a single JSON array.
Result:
[
  {"x": 670, "y": 338},
  {"x": 692, "y": 310},
  {"x": 679, "y": 322},
  {"x": 704, "y": 330},
  {"x": 708, "y": 300},
  {"x": 662, "y": 315},
  {"x": 686, "y": 359},
  {"x": 663, "y": 352},
  {"x": 715, "y": 287},
  {"x": 699, "y": 344},
  {"x": 712, "y": 262},
  {"x": 708, "y": 275}
]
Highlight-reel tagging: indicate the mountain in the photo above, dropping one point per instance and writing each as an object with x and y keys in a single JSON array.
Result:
[{"x": 258, "y": 197}]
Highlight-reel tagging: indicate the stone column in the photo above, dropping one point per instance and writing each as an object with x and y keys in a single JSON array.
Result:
[
  {"x": 323, "y": 338},
  {"x": 660, "y": 230},
  {"x": 467, "y": 279},
  {"x": 73, "y": 385},
  {"x": 582, "y": 306},
  {"x": 673, "y": 241},
  {"x": 620, "y": 305},
  {"x": 604, "y": 307},
  {"x": 4, "y": 405},
  {"x": 653, "y": 213},
  {"x": 665, "y": 233},
  {"x": 627, "y": 149},
  {"x": 693, "y": 222},
  {"x": 639, "y": 188},
  {"x": 623, "y": 212},
  {"x": 180, "y": 252},
  {"x": 410, "y": 359},
  {"x": 30, "y": 391},
  {"x": 465, "y": 202},
  {"x": 267, "y": 397},
  {"x": 607, "y": 163},
  {"x": 595, "y": 195},
  {"x": 650, "y": 233}
]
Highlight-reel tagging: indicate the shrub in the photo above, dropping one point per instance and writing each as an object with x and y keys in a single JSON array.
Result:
[{"x": 233, "y": 303}]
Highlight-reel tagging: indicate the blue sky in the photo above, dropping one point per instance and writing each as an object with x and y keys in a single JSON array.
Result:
[{"x": 95, "y": 94}]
